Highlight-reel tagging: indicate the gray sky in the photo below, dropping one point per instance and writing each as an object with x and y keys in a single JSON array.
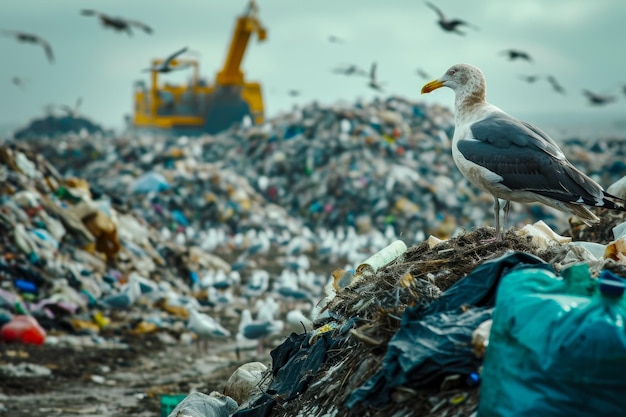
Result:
[{"x": 580, "y": 42}]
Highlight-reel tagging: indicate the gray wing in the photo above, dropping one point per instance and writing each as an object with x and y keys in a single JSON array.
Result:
[
  {"x": 527, "y": 160},
  {"x": 175, "y": 54}
]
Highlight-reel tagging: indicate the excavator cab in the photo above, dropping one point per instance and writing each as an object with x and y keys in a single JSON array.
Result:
[{"x": 199, "y": 107}]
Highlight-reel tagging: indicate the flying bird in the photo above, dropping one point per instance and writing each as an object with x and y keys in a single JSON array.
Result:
[
  {"x": 293, "y": 93},
  {"x": 511, "y": 159},
  {"x": 31, "y": 38},
  {"x": 422, "y": 73},
  {"x": 555, "y": 84},
  {"x": 374, "y": 83},
  {"x": 452, "y": 24},
  {"x": 529, "y": 78},
  {"x": 515, "y": 54},
  {"x": 598, "y": 99},
  {"x": 19, "y": 82},
  {"x": 166, "y": 66},
  {"x": 117, "y": 23},
  {"x": 350, "y": 70},
  {"x": 335, "y": 39},
  {"x": 72, "y": 111}
]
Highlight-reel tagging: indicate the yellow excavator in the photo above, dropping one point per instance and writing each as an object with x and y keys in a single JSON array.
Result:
[{"x": 197, "y": 107}]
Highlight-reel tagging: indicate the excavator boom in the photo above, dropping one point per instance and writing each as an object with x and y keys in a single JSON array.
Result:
[{"x": 247, "y": 24}]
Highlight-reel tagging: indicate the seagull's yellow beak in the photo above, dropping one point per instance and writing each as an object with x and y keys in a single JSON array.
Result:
[{"x": 431, "y": 86}]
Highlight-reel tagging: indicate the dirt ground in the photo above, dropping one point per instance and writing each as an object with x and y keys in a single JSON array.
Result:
[{"x": 113, "y": 381}]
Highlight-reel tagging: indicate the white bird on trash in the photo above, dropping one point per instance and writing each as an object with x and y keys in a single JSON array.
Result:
[
  {"x": 511, "y": 159},
  {"x": 205, "y": 328},
  {"x": 256, "y": 330}
]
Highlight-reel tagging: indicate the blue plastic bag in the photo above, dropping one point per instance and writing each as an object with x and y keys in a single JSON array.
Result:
[{"x": 557, "y": 346}]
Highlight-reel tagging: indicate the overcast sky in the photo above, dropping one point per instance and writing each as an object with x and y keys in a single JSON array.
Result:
[{"x": 580, "y": 42}]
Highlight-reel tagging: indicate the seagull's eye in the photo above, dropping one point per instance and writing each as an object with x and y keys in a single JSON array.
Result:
[{"x": 452, "y": 71}]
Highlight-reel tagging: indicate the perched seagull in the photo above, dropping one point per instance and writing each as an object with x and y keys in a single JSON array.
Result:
[
  {"x": 205, "y": 327},
  {"x": 555, "y": 84},
  {"x": 515, "y": 54},
  {"x": 350, "y": 70},
  {"x": 31, "y": 38},
  {"x": 597, "y": 99},
  {"x": 259, "y": 330},
  {"x": 374, "y": 83},
  {"x": 529, "y": 78},
  {"x": 450, "y": 25},
  {"x": 511, "y": 159},
  {"x": 166, "y": 66},
  {"x": 118, "y": 23}
]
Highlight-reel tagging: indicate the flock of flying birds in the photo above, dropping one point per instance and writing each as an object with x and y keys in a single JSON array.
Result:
[
  {"x": 127, "y": 26},
  {"x": 453, "y": 26}
]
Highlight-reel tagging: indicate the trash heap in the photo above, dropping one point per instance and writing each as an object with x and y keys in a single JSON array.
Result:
[
  {"x": 55, "y": 126},
  {"x": 408, "y": 337}
]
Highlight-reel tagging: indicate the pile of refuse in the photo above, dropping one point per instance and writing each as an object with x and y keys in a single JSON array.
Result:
[
  {"x": 454, "y": 327},
  {"x": 357, "y": 206},
  {"x": 55, "y": 126}
]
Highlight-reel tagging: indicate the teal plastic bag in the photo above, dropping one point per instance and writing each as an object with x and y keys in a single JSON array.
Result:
[{"x": 557, "y": 346}]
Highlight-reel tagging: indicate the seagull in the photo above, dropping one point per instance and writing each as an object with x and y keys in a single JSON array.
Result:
[
  {"x": 450, "y": 25},
  {"x": 117, "y": 23},
  {"x": 335, "y": 39},
  {"x": 166, "y": 66},
  {"x": 422, "y": 73},
  {"x": 555, "y": 84},
  {"x": 350, "y": 70},
  {"x": 597, "y": 99},
  {"x": 529, "y": 78},
  {"x": 515, "y": 54},
  {"x": 19, "y": 82},
  {"x": 31, "y": 38},
  {"x": 259, "y": 330},
  {"x": 72, "y": 112},
  {"x": 373, "y": 82},
  {"x": 511, "y": 159},
  {"x": 205, "y": 327},
  {"x": 293, "y": 93}
]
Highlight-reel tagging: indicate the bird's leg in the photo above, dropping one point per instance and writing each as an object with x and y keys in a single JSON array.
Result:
[
  {"x": 507, "y": 208},
  {"x": 496, "y": 210}
]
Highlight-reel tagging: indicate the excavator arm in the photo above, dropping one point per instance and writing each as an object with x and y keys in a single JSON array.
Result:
[{"x": 247, "y": 24}]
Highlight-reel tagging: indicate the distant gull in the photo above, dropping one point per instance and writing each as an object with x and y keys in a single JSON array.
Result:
[
  {"x": 555, "y": 84},
  {"x": 31, "y": 38},
  {"x": 166, "y": 66},
  {"x": 72, "y": 111},
  {"x": 350, "y": 70},
  {"x": 511, "y": 159},
  {"x": 598, "y": 99},
  {"x": 293, "y": 93},
  {"x": 514, "y": 54},
  {"x": 422, "y": 73},
  {"x": 335, "y": 39},
  {"x": 259, "y": 330},
  {"x": 205, "y": 327},
  {"x": 374, "y": 83},
  {"x": 117, "y": 23},
  {"x": 529, "y": 78},
  {"x": 19, "y": 82},
  {"x": 452, "y": 24}
]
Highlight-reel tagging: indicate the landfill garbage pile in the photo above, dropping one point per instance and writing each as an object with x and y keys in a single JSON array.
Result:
[
  {"x": 384, "y": 165},
  {"x": 408, "y": 337},
  {"x": 54, "y": 126}
]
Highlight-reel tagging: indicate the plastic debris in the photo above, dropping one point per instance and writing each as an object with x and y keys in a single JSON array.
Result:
[{"x": 568, "y": 338}]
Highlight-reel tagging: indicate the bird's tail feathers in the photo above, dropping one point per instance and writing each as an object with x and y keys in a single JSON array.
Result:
[{"x": 613, "y": 202}]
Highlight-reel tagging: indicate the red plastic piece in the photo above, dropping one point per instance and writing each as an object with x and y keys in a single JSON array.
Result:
[{"x": 23, "y": 329}]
